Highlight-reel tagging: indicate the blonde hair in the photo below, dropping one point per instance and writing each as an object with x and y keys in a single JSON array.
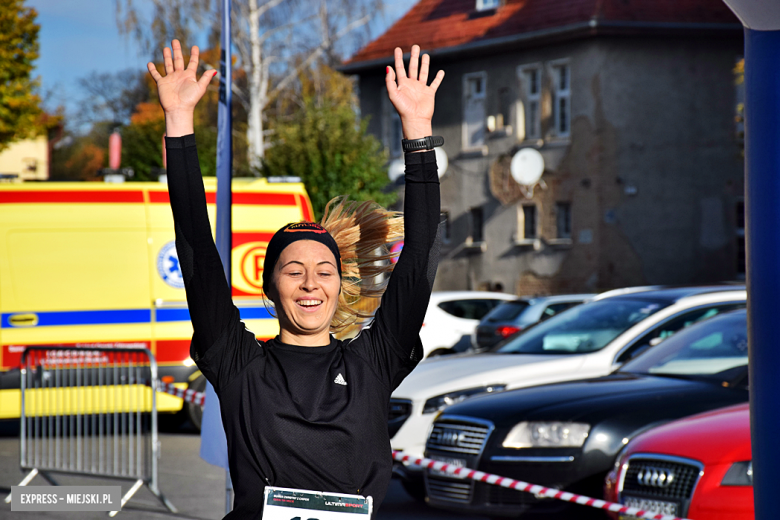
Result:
[{"x": 363, "y": 232}]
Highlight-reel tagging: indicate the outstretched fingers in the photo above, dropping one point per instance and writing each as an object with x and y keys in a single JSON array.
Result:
[
  {"x": 414, "y": 60},
  {"x": 399, "y": 64},
  {"x": 426, "y": 62},
  {"x": 167, "y": 61},
  {"x": 194, "y": 59},
  {"x": 153, "y": 71},
  {"x": 206, "y": 78},
  {"x": 390, "y": 81},
  {"x": 178, "y": 57},
  {"x": 437, "y": 80}
]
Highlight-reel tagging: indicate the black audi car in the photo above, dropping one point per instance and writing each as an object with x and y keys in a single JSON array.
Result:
[{"x": 567, "y": 435}]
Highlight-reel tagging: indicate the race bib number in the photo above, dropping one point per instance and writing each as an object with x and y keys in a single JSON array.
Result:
[{"x": 300, "y": 504}]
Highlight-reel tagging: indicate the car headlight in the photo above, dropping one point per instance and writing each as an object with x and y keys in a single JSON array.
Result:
[
  {"x": 739, "y": 474},
  {"x": 440, "y": 402},
  {"x": 547, "y": 435}
]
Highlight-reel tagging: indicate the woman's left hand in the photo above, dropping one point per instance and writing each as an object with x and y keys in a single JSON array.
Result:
[{"x": 411, "y": 96}]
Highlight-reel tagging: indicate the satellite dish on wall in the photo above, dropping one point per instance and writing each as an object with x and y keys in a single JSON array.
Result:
[
  {"x": 396, "y": 169},
  {"x": 527, "y": 167},
  {"x": 442, "y": 162}
]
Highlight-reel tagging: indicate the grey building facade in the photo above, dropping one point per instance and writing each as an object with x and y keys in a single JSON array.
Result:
[{"x": 643, "y": 177}]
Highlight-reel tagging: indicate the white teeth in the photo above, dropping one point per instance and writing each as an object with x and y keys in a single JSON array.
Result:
[{"x": 309, "y": 303}]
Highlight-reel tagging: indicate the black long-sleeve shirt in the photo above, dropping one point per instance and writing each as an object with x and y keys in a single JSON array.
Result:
[{"x": 289, "y": 419}]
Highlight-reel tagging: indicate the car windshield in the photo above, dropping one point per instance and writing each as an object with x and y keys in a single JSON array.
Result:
[
  {"x": 584, "y": 328},
  {"x": 507, "y": 311},
  {"x": 713, "y": 349}
]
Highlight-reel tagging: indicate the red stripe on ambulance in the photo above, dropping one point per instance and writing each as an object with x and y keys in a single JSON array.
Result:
[{"x": 69, "y": 197}]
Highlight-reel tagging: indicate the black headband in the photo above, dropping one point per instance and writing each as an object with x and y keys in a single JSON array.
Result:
[{"x": 292, "y": 233}]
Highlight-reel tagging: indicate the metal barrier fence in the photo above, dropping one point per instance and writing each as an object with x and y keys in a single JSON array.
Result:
[{"x": 90, "y": 412}]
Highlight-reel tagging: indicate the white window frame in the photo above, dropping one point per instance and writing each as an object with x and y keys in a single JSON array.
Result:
[
  {"x": 520, "y": 238},
  {"x": 466, "y": 146},
  {"x": 484, "y": 5},
  {"x": 558, "y": 94},
  {"x": 524, "y": 76}
]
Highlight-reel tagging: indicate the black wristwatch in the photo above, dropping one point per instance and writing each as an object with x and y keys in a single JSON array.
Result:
[{"x": 425, "y": 143}]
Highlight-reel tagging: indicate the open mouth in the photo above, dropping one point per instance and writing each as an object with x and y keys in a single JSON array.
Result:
[{"x": 309, "y": 304}]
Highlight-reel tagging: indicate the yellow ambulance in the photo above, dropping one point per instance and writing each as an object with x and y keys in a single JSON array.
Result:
[{"x": 94, "y": 265}]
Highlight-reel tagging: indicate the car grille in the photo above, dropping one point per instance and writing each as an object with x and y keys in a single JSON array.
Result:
[
  {"x": 458, "y": 437},
  {"x": 452, "y": 490},
  {"x": 501, "y": 496},
  {"x": 661, "y": 478},
  {"x": 399, "y": 412}
]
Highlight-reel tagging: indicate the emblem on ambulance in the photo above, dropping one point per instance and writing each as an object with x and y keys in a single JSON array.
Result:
[{"x": 168, "y": 266}]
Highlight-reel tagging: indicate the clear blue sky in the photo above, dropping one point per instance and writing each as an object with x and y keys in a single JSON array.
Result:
[{"x": 81, "y": 36}]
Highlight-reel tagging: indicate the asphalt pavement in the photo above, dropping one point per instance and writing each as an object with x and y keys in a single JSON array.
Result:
[{"x": 196, "y": 488}]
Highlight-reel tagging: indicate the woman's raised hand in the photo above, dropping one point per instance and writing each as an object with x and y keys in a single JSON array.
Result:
[
  {"x": 410, "y": 94},
  {"x": 179, "y": 90}
]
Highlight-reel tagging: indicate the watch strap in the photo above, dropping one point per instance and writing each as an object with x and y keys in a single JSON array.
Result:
[{"x": 425, "y": 143}]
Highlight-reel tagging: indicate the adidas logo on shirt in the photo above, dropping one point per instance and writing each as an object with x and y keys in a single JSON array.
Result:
[{"x": 340, "y": 380}]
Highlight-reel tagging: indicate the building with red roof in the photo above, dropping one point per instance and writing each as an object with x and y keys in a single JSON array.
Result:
[{"x": 630, "y": 104}]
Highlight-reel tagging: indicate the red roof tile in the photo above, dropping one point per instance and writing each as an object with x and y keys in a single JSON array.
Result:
[{"x": 436, "y": 24}]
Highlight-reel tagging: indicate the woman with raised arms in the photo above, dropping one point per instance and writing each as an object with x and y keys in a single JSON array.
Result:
[{"x": 305, "y": 410}]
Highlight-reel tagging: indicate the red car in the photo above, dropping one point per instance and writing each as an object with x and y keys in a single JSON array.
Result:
[{"x": 698, "y": 467}]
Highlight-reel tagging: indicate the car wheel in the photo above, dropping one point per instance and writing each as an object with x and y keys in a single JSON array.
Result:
[
  {"x": 416, "y": 490},
  {"x": 194, "y": 411}
]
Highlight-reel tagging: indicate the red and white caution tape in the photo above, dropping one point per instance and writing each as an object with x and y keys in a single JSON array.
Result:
[
  {"x": 496, "y": 480},
  {"x": 189, "y": 395},
  {"x": 200, "y": 397}
]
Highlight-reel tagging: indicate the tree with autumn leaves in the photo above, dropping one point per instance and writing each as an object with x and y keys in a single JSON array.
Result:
[{"x": 21, "y": 116}]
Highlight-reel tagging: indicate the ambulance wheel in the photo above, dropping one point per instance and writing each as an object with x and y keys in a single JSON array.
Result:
[{"x": 194, "y": 411}]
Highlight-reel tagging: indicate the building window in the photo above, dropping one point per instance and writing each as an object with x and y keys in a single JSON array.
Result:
[
  {"x": 477, "y": 225},
  {"x": 484, "y": 5},
  {"x": 444, "y": 221},
  {"x": 532, "y": 88},
  {"x": 561, "y": 73},
  {"x": 396, "y": 134},
  {"x": 563, "y": 219},
  {"x": 529, "y": 222},
  {"x": 474, "y": 122},
  {"x": 740, "y": 228},
  {"x": 526, "y": 223}
]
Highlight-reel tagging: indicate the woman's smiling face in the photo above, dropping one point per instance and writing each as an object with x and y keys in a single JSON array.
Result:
[{"x": 306, "y": 292}]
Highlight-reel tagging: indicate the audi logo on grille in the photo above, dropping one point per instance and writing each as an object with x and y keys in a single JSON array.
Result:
[
  {"x": 449, "y": 437},
  {"x": 655, "y": 477}
]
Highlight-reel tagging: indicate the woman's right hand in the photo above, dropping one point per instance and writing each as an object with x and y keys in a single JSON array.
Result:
[{"x": 179, "y": 90}]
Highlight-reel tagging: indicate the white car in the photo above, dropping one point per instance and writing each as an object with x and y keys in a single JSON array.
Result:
[
  {"x": 589, "y": 340},
  {"x": 452, "y": 316}
]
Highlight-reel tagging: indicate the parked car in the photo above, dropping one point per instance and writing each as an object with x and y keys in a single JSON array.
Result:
[
  {"x": 452, "y": 317},
  {"x": 568, "y": 435},
  {"x": 589, "y": 340},
  {"x": 514, "y": 316},
  {"x": 699, "y": 467}
]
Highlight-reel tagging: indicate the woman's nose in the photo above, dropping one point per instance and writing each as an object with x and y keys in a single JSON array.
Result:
[{"x": 308, "y": 282}]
